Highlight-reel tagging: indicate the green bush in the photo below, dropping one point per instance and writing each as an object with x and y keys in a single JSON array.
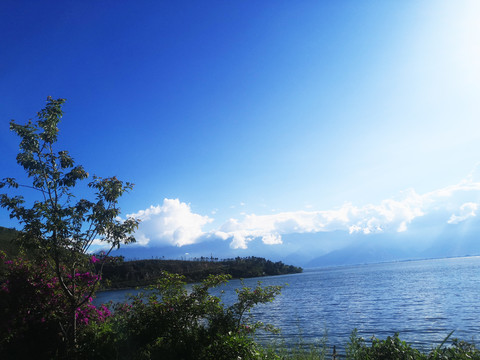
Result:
[
  {"x": 392, "y": 348},
  {"x": 169, "y": 322},
  {"x": 459, "y": 350}
]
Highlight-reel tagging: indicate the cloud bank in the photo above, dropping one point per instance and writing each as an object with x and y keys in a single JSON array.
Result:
[
  {"x": 171, "y": 223},
  {"x": 174, "y": 223}
]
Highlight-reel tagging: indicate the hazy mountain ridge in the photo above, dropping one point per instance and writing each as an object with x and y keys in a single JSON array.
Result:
[{"x": 321, "y": 249}]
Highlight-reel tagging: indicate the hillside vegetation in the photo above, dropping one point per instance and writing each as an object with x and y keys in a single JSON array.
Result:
[{"x": 7, "y": 243}]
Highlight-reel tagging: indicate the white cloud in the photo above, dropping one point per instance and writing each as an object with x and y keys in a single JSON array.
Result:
[
  {"x": 367, "y": 219},
  {"x": 174, "y": 223},
  {"x": 467, "y": 211},
  {"x": 402, "y": 227},
  {"x": 171, "y": 223},
  {"x": 272, "y": 239},
  {"x": 98, "y": 245},
  {"x": 391, "y": 215}
]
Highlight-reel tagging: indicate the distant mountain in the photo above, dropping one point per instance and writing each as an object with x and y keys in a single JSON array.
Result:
[
  {"x": 222, "y": 250},
  {"x": 296, "y": 249},
  {"x": 212, "y": 247},
  {"x": 361, "y": 253},
  {"x": 378, "y": 248}
]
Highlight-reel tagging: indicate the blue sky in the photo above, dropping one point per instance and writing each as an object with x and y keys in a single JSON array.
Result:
[{"x": 257, "y": 121}]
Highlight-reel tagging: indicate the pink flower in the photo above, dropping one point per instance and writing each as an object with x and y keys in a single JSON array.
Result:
[{"x": 94, "y": 259}]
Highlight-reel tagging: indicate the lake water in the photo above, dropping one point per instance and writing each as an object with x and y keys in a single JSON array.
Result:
[{"x": 422, "y": 300}]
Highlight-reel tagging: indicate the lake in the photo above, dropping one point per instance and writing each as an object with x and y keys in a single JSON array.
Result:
[{"x": 422, "y": 300}]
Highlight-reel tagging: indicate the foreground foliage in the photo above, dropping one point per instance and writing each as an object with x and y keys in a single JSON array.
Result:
[
  {"x": 59, "y": 226},
  {"x": 169, "y": 322}
]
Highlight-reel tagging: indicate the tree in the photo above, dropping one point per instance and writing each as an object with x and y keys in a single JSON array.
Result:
[{"x": 60, "y": 227}]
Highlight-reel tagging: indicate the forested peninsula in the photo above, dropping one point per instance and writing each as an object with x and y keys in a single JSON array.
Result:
[{"x": 118, "y": 273}]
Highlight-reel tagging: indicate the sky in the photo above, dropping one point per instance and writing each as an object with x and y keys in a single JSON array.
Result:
[{"x": 286, "y": 129}]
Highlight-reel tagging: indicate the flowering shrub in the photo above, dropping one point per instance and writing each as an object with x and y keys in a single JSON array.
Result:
[
  {"x": 34, "y": 310},
  {"x": 89, "y": 313}
]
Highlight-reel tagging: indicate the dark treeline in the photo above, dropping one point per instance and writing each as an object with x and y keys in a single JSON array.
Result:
[{"x": 118, "y": 274}]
